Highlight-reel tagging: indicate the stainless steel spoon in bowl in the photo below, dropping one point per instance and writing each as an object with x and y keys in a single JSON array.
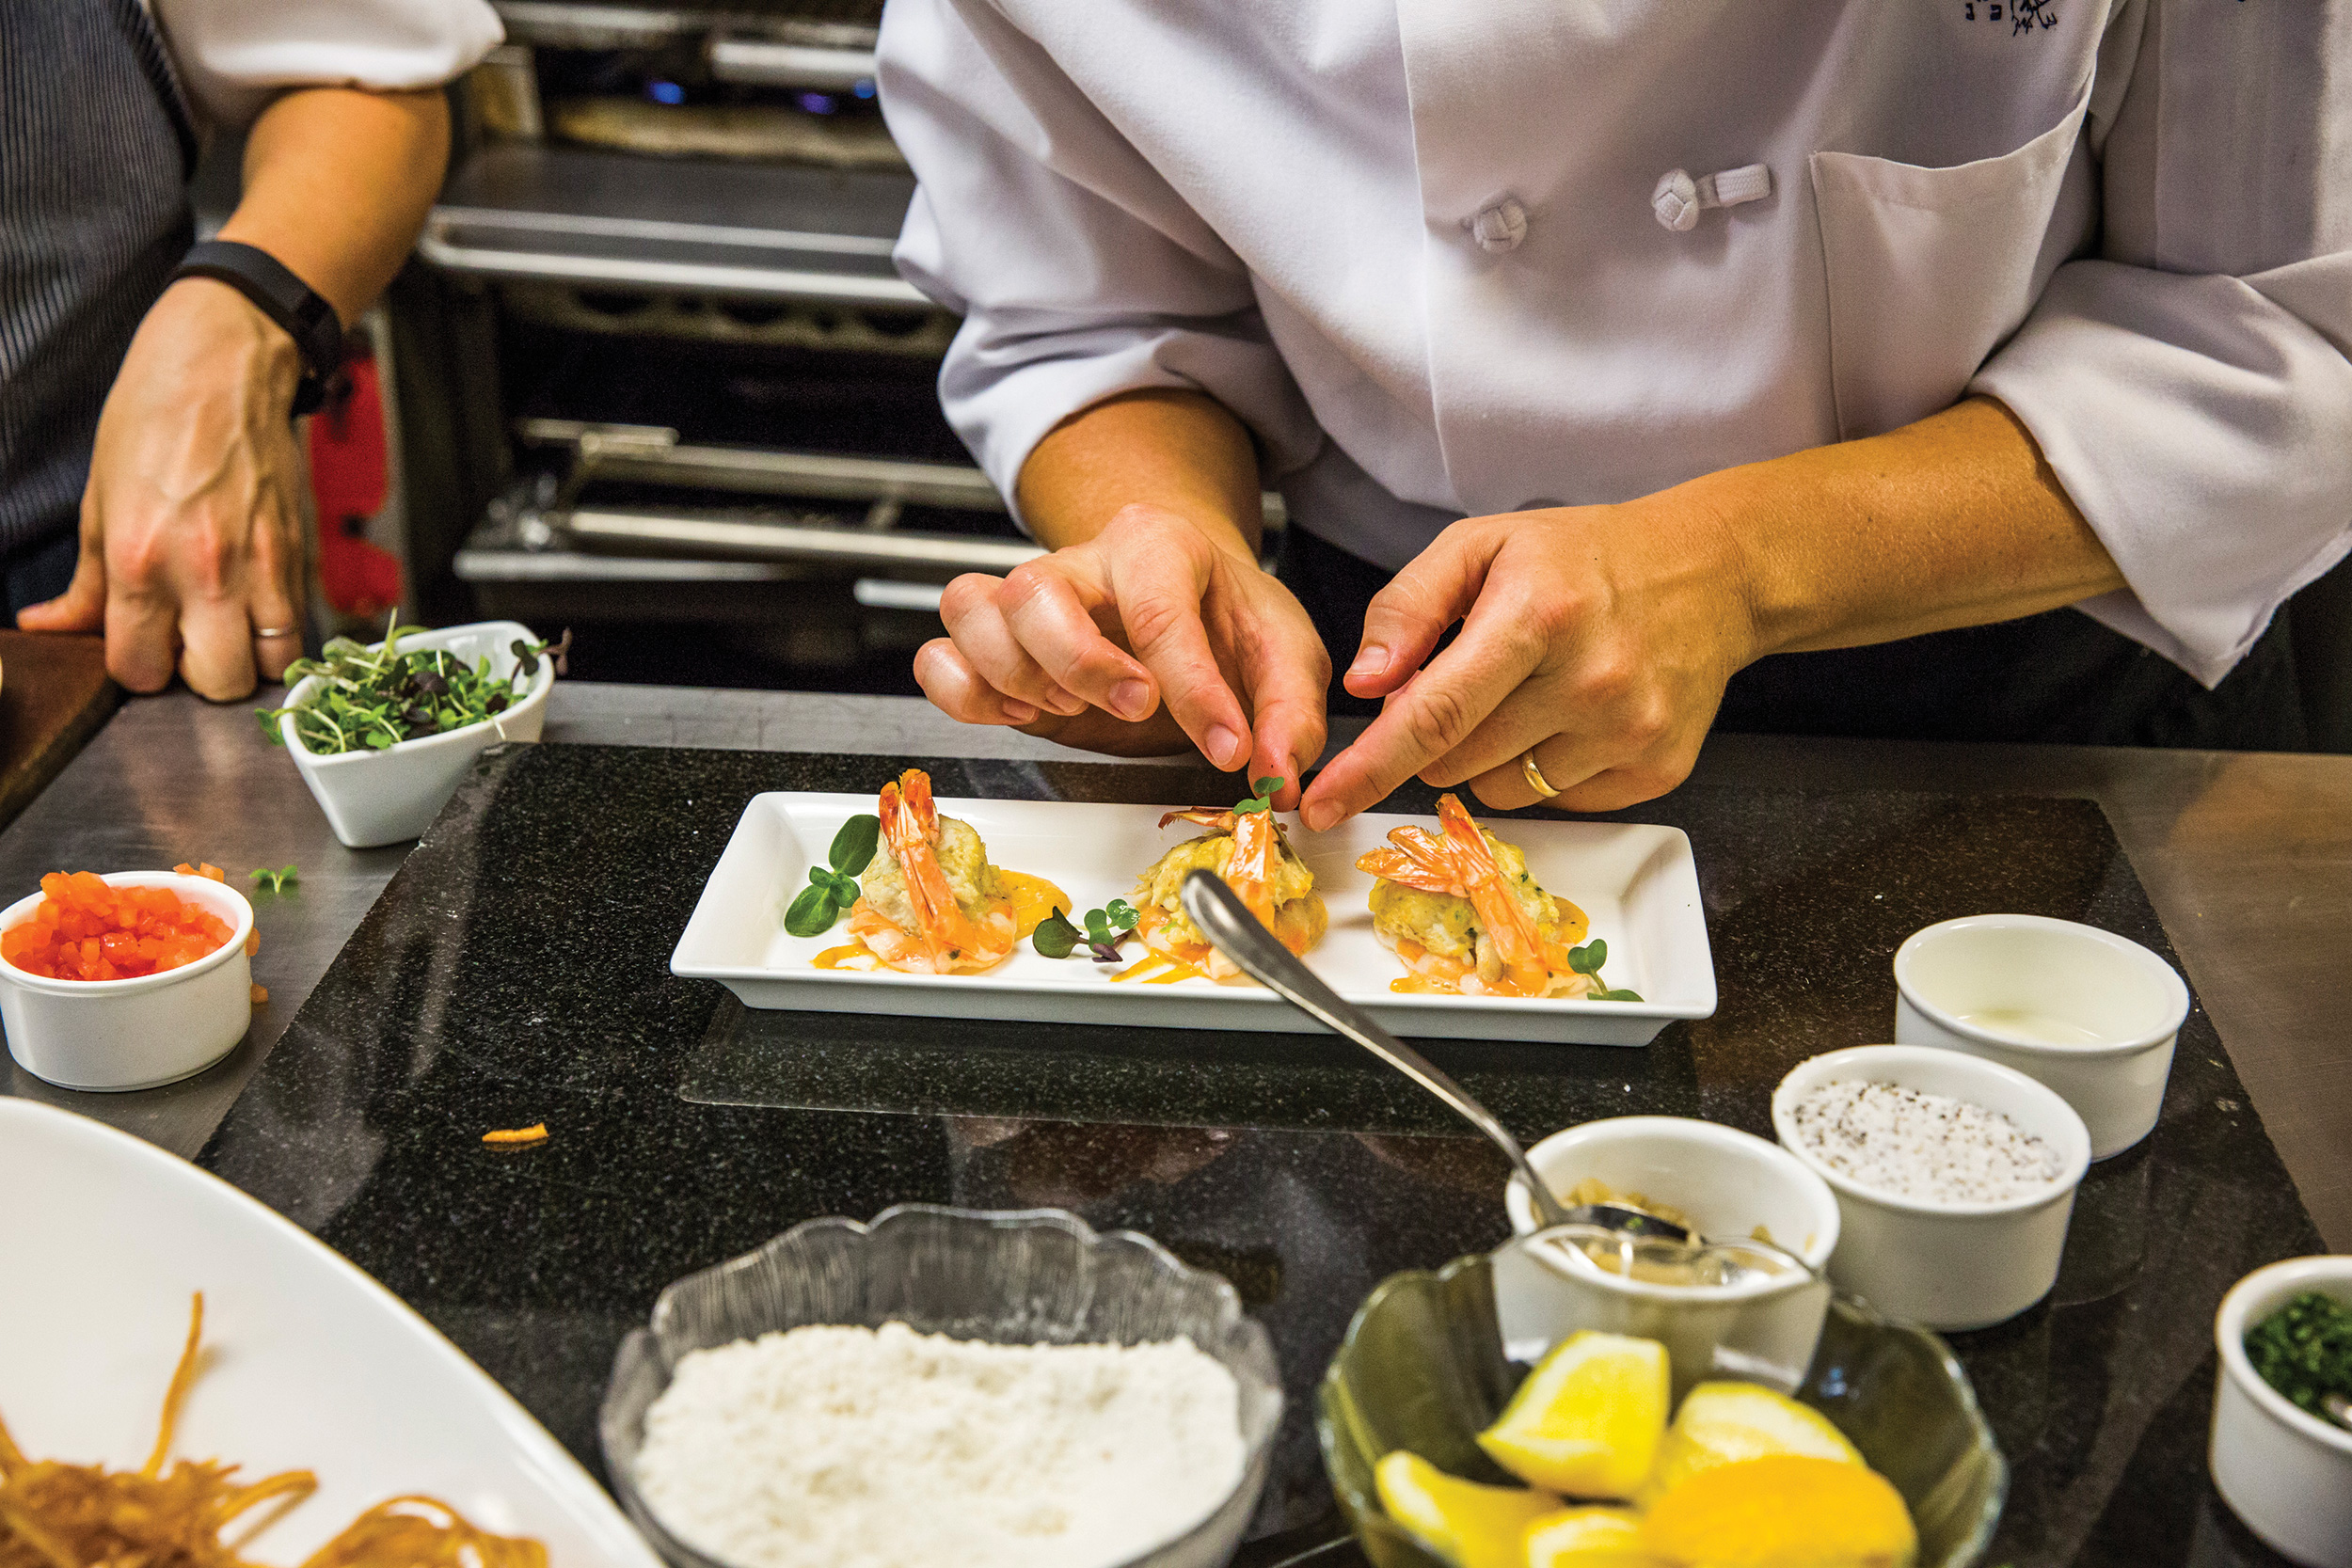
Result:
[{"x": 1233, "y": 930}]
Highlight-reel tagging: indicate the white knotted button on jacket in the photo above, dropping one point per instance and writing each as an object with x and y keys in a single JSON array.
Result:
[{"x": 1439, "y": 254}]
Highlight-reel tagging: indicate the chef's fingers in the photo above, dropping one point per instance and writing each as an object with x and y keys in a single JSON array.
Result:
[
  {"x": 1158, "y": 593},
  {"x": 1289, "y": 677},
  {"x": 982, "y": 634},
  {"x": 1433, "y": 713},
  {"x": 1531, "y": 713},
  {"x": 1590, "y": 774},
  {"x": 83, "y": 605},
  {"x": 1041, "y": 604},
  {"x": 956, "y": 689},
  {"x": 1405, "y": 619}
]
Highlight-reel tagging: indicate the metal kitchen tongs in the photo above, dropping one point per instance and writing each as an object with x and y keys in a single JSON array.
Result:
[{"x": 1233, "y": 930}]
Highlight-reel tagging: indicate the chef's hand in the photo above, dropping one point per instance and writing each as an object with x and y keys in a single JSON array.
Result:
[
  {"x": 192, "y": 520},
  {"x": 1601, "y": 637},
  {"x": 1158, "y": 630}
]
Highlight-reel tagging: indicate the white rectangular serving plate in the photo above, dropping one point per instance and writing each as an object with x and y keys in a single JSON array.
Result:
[{"x": 1637, "y": 884}]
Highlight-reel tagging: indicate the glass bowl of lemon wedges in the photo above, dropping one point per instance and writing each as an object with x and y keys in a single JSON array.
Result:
[{"x": 1445, "y": 1452}]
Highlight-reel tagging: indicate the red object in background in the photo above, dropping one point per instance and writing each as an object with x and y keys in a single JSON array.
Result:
[{"x": 347, "y": 480}]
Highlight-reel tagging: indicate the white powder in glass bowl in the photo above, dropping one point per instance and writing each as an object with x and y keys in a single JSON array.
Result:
[
  {"x": 1930, "y": 1147},
  {"x": 857, "y": 1447}
]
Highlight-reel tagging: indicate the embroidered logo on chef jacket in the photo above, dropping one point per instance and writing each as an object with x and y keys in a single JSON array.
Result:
[{"x": 2023, "y": 16}]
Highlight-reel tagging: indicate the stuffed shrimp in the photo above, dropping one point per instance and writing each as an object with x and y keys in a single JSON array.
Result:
[
  {"x": 1246, "y": 846},
  {"x": 930, "y": 902},
  {"x": 1460, "y": 908}
]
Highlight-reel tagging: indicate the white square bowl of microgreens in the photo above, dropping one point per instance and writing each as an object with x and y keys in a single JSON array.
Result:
[{"x": 383, "y": 731}]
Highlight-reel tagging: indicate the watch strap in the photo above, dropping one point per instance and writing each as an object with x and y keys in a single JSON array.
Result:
[{"x": 284, "y": 298}]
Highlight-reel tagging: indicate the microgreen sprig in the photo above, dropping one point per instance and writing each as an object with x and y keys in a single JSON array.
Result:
[
  {"x": 277, "y": 879},
  {"x": 370, "y": 699},
  {"x": 832, "y": 890},
  {"x": 1105, "y": 928},
  {"x": 1587, "y": 960},
  {"x": 1261, "y": 795}
]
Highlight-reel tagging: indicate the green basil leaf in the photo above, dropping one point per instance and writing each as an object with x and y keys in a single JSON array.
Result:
[
  {"x": 1618, "y": 996},
  {"x": 1266, "y": 786},
  {"x": 1244, "y": 808},
  {"x": 1098, "y": 929},
  {"x": 813, "y": 912},
  {"x": 1122, "y": 913},
  {"x": 854, "y": 845},
  {"x": 1055, "y": 937},
  {"x": 1588, "y": 958}
]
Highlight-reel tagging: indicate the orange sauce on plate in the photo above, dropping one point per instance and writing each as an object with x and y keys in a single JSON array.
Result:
[{"x": 1033, "y": 898}]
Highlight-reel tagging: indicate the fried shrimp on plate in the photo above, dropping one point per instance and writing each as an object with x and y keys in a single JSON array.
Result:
[
  {"x": 931, "y": 903},
  {"x": 1246, "y": 846},
  {"x": 1460, "y": 908}
]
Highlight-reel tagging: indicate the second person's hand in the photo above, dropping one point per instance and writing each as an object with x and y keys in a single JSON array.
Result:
[{"x": 1156, "y": 631}]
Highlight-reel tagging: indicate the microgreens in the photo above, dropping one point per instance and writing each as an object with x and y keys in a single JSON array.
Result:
[
  {"x": 1105, "y": 928},
  {"x": 370, "y": 699},
  {"x": 277, "y": 879},
  {"x": 832, "y": 890},
  {"x": 1261, "y": 795},
  {"x": 1587, "y": 960}
]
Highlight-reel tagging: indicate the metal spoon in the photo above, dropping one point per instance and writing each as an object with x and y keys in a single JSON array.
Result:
[
  {"x": 1234, "y": 931},
  {"x": 2339, "y": 1409}
]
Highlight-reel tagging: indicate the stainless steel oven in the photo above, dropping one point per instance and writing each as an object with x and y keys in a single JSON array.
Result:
[{"x": 654, "y": 373}]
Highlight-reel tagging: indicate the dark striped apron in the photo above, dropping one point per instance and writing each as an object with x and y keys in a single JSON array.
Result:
[{"x": 96, "y": 147}]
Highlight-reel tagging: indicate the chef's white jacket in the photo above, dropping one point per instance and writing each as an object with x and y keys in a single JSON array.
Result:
[
  {"x": 1450, "y": 257},
  {"x": 234, "y": 56}
]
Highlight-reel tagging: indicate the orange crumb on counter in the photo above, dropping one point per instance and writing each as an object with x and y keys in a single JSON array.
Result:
[
  {"x": 261, "y": 995},
  {"x": 507, "y": 1136},
  {"x": 202, "y": 868},
  {"x": 85, "y": 930}
]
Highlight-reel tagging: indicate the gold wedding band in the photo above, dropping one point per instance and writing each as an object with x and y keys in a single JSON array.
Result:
[
  {"x": 1534, "y": 775},
  {"x": 264, "y": 634}
]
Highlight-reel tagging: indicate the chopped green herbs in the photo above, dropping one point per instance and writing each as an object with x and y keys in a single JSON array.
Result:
[
  {"x": 1587, "y": 959},
  {"x": 832, "y": 890},
  {"x": 370, "y": 699},
  {"x": 2304, "y": 1350},
  {"x": 1261, "y": 795},
  {"x": 1105, "y": 928},
  {"x": 277, "y": 879}
]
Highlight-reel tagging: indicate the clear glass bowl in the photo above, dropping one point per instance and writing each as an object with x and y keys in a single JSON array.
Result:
[
  {"x": 1422, "y": 1368},
  {"x": 1031, "y": 1276}
]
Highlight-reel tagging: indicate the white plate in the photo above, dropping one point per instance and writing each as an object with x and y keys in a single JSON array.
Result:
[
  {"x": 1637, "y": 884},
  {"x": 309, "y": 1362}
]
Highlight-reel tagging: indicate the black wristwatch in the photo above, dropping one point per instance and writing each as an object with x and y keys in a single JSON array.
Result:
[{"x": 285, "y": 299}]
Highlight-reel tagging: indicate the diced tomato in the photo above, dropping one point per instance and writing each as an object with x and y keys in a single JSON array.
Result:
[{"x": 84, "y": 930}]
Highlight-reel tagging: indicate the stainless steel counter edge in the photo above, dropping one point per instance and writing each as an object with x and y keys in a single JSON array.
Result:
[{"x": 2247, "y": 858}]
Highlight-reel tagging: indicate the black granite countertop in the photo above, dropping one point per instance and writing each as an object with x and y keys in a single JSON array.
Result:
[{"x": 515, "y": 970}]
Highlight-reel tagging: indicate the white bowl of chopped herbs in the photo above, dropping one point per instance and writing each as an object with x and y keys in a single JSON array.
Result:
[
  {"x": 384, "y": 731},
  {"x": 2280, "y": 1461}
]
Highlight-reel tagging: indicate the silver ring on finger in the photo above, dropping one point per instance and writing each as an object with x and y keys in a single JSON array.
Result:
[{"x": 1534, "y": 775}]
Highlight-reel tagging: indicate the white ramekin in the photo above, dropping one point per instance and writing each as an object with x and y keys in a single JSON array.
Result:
[
  {"x": 2284, "y": 1471},
  {"x": 372, "y": 798},
  {"x": 1946, "y": 1265},
  {"x": 139, "y": 1033},
  {"x": 1729, "y": 1181},
  {"x": 2131, "y": 1000}
]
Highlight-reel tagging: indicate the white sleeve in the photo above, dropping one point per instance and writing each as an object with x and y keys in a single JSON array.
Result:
[
  {"x": 1079, "y": 270},
  {"x": 2191, "y": 386},
  {"x": 234, "y": 55}
]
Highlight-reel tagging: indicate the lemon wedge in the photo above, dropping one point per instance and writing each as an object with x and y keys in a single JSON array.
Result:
[
  {"x": 1588, "y": 1419},
  {"x": 1721, "y": 1422},
  {"x": 1589, "y": 1538},
  {"x": 1784, "y": 1510},
  {"x": 1474, "y": 1525}
]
